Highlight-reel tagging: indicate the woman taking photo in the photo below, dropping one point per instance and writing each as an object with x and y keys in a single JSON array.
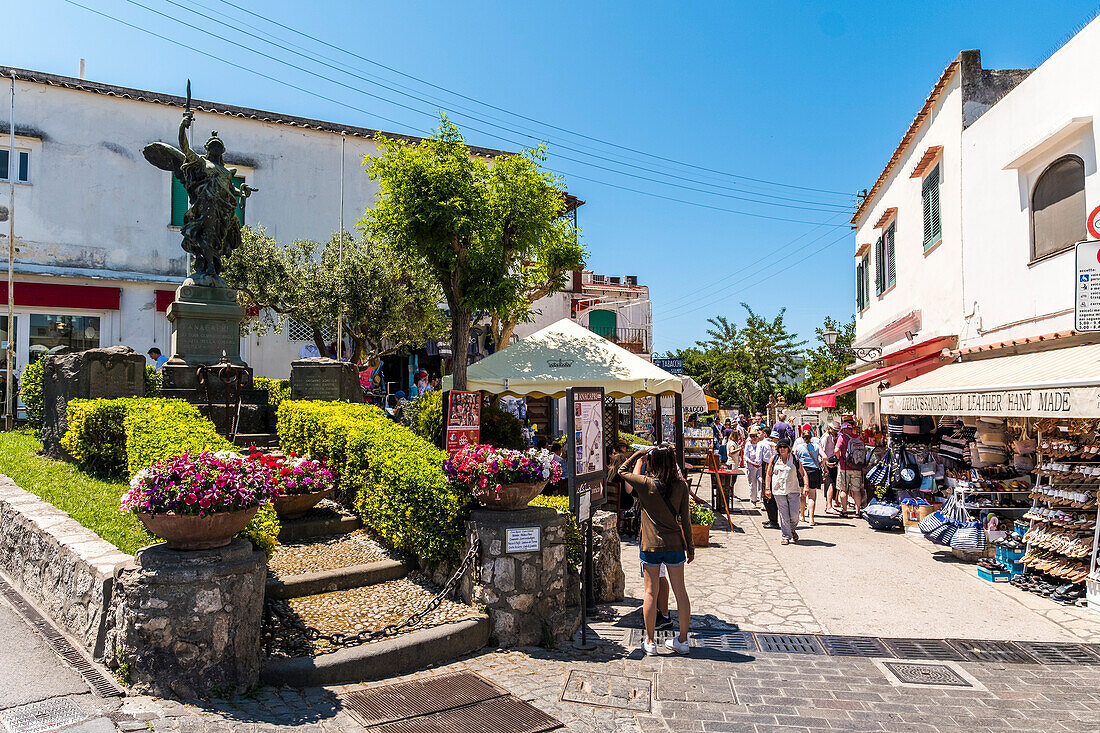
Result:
[{"x": 665, "y": 536}]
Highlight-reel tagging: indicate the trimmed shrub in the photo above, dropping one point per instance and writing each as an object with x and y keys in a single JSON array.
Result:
[
  {"x": 424, "y": 416},
  {"x": 154, "y": 380},
  {"x": 117, "y": 438},
  {"x": 396, "y": 476},
  {"x": 574, "y": 542},
  {"x": 30, "y": 389},
  {"x": 501, "y": 429},
  {"x": 277, "y": 389},
  {"x": 632, "y": 439}
]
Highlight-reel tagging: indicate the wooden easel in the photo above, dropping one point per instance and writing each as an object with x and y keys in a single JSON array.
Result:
[{"x": 715, "y": 467}]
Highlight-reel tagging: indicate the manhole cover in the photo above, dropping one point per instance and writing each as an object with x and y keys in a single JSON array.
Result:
[
  {"x": 608, "y": 690},
  {"x": 923, "y": 649},
  {"x": 695, "y": 688},
  {"x": 419, "y": 697},
  {"x": 42, "y": 716},
  {"x": 1053, "y": 652},
  {"x": 853, "y": 646},
  {"x": 788, "y": 643},
  {"x": 940, "y": 675},
  {"x": 991, "y": 651},
  {"x": 500, "y": 715}
]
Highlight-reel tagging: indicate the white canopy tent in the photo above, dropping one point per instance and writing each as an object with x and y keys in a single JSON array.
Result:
[{"x": 565, "y": 354}]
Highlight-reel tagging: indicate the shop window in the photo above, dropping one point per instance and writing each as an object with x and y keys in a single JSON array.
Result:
[
  {"x": 1058, "y": 207},
  {"x": 22, "y": 165},
  {"x": 180, "y": 203},
  {"x": 76, "y": 332},
  {"x": 930, "y": 196}
]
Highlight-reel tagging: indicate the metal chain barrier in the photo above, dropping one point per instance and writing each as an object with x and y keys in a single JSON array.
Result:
[{"x": 274, "y": 616}]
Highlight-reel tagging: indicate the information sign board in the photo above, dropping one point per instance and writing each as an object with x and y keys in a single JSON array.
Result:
[
  {"x": 584, "y": 506},
  {"x": 586, "y": 450},
  {"x": 1086, "y": 300},
  {"x": 522, "y": 539},
  {"x": 670, "y": 364},
  {"x": 463, "y": 420}
]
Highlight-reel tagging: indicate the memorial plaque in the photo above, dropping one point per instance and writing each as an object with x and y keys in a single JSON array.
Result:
[
  {"x": 321, "y": 378},
  {"x": 523, "y": 539}
]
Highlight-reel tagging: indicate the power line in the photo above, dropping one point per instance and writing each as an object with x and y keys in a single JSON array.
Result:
[
  {"x": 817, "y": 207},
  {"x": 524, "y": 117},
  {"x": 399, "y": 124}
]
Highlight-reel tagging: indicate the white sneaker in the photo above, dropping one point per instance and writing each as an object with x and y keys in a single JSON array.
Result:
[
  {"x": 649, "y": 647},
  {"x": 680, "y": 647}
]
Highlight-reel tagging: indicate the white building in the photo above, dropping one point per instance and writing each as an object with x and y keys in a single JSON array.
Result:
[
  {"x": 965, "y": 241},
  {"x": 97, "y": 226}
]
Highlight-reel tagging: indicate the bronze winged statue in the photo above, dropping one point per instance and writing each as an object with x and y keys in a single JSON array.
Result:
[{"x": 211, "y": 230}]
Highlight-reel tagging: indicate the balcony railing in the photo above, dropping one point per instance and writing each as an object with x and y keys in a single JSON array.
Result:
[{"x": 634, "y": 340}]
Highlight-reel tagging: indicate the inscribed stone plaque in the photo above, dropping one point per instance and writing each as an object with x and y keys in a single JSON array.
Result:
[
  {"x": 321, "y": 378},
  {"x": 608, "y": 690},
  {"x": 523, "y": 539}
]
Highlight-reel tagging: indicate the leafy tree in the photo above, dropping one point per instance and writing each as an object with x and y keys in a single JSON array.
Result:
[
  {"x": 824, "y": 369},
  {"x": 476, "y": 227},
  {"x": 745, "y": 365},
  {"x": 383, "y": 302}
]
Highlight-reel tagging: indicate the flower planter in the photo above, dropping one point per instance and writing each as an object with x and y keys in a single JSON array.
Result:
[
  {"x": 192, "y": 532},
  {"x": 700, "y": 535},
  {"x": 294, "y": 506},
  {"x": 511, "y": 497}
]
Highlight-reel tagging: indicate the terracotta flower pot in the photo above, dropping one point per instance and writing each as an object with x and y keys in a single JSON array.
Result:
[
  {"x": 191, "y": 532},
  {"x": 293, "y": 506},
  {"x": 700, "y": 535},
  {"x": 512, "y": 497}
]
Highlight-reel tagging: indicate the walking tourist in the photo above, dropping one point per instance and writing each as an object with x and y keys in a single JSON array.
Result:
[
  {"x": 828, "y": 447},
  {"x": 781, "y": 482},
  {"x": 665, "y": 536},
  {"x": 752, "y": 465},
  {"x": 851, "y": 454},
  {"x": 719, "y": 445},
  {"x": 766, "y": 449},
  {"x": 735, "y": 446},
  {"x": 808, "y": 453},
  {"x": 784, "y": 428}
]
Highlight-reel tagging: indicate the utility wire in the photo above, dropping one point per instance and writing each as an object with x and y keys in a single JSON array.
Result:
[
  {"x": 518, "y": 129},
  {"x": 818, "y": 207},
  {"x": 524, "y": 117},
  {"x": 399, "y": 124}
]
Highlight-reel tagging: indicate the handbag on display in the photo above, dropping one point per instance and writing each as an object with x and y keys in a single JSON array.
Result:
[
  {"x": 970, "y": 537},
  {"x": 880, "y": 473},
  {"x": 927, "y": 424},
  {"x": 938, "y": 518},
  {"x": 943, "y": 534},
  {"x": 911, "y": 426},
  {"x": 895, "y": 425},
  {"x": 908, "y": 474}
]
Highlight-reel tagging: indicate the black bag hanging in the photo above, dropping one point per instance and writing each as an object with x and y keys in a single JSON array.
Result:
[{"x": 908, "y": 475}]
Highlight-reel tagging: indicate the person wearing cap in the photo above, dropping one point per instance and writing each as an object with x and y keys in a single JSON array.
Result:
[
  {"x": 782, "y": 478},
  {"x": 766, "y": 450},
  {"x": 828, "y": 449},
  {"x": 808, "y": 452}
]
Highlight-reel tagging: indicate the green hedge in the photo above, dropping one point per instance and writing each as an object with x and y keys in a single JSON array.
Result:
[
  {"x": 277, "y": 389},
  {"x": 395, "y": 475},
  {"x": 30, "y": 389},
  {"x": 632, "y": 439},
  {"x": 154, "y": 380},
  {"x": 574, "y": 543},
  {"x": 117, "y": 438}
]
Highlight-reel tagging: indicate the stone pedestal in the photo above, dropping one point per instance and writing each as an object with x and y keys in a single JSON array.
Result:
[
  {"x": 205, "y": 323},
  {"x": 187, "y": 624},
  {"x": 321, "y": 378},
  {"x": 524, "y": 591},
  {"x": 608, "y": 580},
  {"x": 116, "y": 371}
]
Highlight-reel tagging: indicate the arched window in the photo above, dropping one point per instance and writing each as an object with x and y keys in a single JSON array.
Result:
[{"x": 1058, "y": 207}]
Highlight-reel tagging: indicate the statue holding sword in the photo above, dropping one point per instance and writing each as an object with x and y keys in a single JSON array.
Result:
[{"x": 210, "y": 229}]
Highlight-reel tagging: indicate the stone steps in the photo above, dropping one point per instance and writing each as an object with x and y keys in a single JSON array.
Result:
[
  {"x": 343, "y": 578},
  {"x": 258, "y": 440},
  {"x": 320, "y": 521}
]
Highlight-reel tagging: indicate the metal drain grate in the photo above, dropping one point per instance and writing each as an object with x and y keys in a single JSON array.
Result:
[
  {"x": 101, "y": 684},
  {"x": 991, "y": 651},
  {"x": 939, "y": 675},
  {"x": 726, "y": 641},
  {"x": 42, "y": 716},
  {"x": 923, "y": 649},
  {"x": 500, "y": 715},
  {"x": 853, "y": 646},
  {"x": 789, "y": 643},
  {"x": 1053, "y": 652},
  {"x": 419, "y": 697}
]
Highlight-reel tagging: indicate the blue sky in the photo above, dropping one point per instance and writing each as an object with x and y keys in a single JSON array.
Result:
[{"x": 813, "y": 95}]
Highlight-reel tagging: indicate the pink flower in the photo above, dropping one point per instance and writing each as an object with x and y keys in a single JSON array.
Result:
[{"x": 191, "y": 498}]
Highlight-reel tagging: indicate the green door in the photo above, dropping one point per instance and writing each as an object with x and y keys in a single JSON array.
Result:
[{"x": 604, "y": 323}]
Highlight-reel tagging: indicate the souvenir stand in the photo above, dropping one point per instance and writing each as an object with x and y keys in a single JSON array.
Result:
[
  {"x": 1018, "y": 443},
  {"x": 698, "y": 441}
]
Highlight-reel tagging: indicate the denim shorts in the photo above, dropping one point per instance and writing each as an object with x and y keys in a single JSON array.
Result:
[{"x": 668, "y": 558}]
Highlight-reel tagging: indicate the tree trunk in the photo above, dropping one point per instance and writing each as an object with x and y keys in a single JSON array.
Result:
[
  {"x": 460, "y": 342},
  {"x": 319, "y": 340}
]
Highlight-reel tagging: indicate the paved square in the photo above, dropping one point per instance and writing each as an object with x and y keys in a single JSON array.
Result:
[
  {"x": 608, "y": 690},
  {"x": 695, "y": 688}
]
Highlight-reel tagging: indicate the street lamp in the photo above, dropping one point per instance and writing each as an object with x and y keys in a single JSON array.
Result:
[{"x": 866, "y": 353}]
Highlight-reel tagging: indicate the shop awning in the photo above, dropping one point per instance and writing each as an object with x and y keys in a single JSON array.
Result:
[
  {"x": 563, "y": 355},
  {"x": 892, "y": 374},
  {"x": 1057, "y": 383},
  {"x": 693, "y": 399}
]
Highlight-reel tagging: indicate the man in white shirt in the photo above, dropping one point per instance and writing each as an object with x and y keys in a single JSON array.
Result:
[
  {"x": 828, "y": 448},
  {"x": 766, "y": 451},
  {"x": 309, "y": 350}
]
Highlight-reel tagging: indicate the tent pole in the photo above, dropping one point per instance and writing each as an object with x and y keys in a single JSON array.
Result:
[{"x": 678, "y": 406}]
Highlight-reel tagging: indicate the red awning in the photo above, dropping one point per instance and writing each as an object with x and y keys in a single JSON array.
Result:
[
  {"x": 63, "y": 296},
  {"x": 164, "y": 299},
  {"x": 893, "y": 375}
]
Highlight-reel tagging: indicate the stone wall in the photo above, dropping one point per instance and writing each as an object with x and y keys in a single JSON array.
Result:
[
  {"x": 64, "y": 568},
  {"x": 608, "y": 580}
]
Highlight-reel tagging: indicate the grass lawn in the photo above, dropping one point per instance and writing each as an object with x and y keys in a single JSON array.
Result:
[{"x": 91, "y": 502}]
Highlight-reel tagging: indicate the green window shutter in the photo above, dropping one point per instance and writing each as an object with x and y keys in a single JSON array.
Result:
[
  {"x": 879, "y": 265},
  {"x": 930, "y": 199},
  {"x": 179, "y": 201},
  {"x": 859, "y": 286},
  {"x": 891, "y": 271},
  {"x": 3, "y": 165}
]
